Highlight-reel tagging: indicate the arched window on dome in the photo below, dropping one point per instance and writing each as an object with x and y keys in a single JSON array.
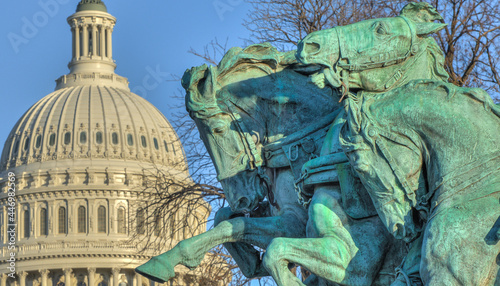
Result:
[
  {"x": 62, "y": 220},
  {"x": 130, "y": 140},
  {"x": 52, "y": 139},
  {"x": 140, "y": 221},
  {"x": 157, "y": 229},
  {"x": 143, "y": 141},
  {"x": 171, "y": 225},
  {"x": 26, "y": 224},
  {"x": 166, "y": 146},
  {"x": 114, "y": 138},
  {"x": 44, "y": 229},
  {"x": 82, "y": 219},
  {"x": 16, "y": 147},
  {"x": 83, "y": 137},
  {"x": 26, "y": 143},
  {"x": 67, "y": 138},
  {"x": 155, "y": 142},
  {"x": 122, "y": 222},
  {"x": 98, "y": 138},
  {"x": 122, "y": 284},
  {"x": 101, "y": 219},
  {"x": 38, "y": 141}
]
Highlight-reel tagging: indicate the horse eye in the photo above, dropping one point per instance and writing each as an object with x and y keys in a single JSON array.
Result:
[
  {"x": 219, "y": 129},
  {"x": 381, "y": 29}
]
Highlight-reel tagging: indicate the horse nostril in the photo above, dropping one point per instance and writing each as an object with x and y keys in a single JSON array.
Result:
[
  {"x": 312, "y": 48},
  {"x": 243, "y": 204}
]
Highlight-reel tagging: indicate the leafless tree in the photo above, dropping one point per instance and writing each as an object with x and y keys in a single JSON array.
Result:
[
  {"x": 175, "y": 206},
  {"x": 470, "y": 42}
]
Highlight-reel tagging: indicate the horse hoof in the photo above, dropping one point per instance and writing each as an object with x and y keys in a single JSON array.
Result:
[{"x": 156, "y": 270}]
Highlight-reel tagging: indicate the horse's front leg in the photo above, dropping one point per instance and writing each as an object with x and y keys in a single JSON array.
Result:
[
  {"x": 338, "y": 248},
  {"x": 254, "y": 231},
  {"x": 246, "y": 256}
]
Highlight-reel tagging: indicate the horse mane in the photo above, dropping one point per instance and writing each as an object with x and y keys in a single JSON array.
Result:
[
  {"x": 436, "y": 60},
  {"x": 264, "y": 56},
  {"x": 202, "y": 83}
]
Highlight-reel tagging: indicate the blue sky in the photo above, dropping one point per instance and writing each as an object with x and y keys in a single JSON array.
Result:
[{"x": 149, "y": 35}]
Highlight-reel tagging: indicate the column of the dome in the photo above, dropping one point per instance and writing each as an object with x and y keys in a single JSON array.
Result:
[
  {"x": 116, "y": 274},
  {"x": 3, "y": 279},
  {"x": 77, "y": 41},
  {"x": 103, "y": 42},
  {"x": 32, "y": 219},
  {"x": 73, "y": 42},
  {"x": 3, "y": 224},
  {"x": 94, "y": 39},
  {"x": 50, "y": 217},
  {"x": 139, "y": 280},
  {"x": 85, "y": 36},
  {"x": 91, "y": 274},
  {"x": 109, "y": 44},
  {"x": 45, "y": 275},
  {"x": 22, "y": 278},
  {"x": 67, "y": 276}
]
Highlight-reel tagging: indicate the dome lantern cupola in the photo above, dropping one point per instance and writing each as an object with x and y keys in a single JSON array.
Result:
[
  {"x": 96, "y": 5},
  {"x": 92, "y": 57}
]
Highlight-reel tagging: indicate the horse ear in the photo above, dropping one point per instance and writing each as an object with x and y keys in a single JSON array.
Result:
[
  {"x": 193, "y": 76},
  {"x": 421, "y": 12},
  {"x": 424, "y": 29},
  {"x": 210, "y": 82}
]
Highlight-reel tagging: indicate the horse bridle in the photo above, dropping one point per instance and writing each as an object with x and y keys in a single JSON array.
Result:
[
  {"x": 250, "y": 150},
  {"x": 348, "y": 64}
]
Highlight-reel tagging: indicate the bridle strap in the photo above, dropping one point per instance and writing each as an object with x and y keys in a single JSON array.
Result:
[
  {"x": 347, "y": 64},
  {"x": 250, "y": 147}
]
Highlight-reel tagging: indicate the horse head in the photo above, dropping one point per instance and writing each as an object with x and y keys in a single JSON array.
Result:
[
  {"x": 246, "y": 101},
  {"x": 377, "y": 54}
]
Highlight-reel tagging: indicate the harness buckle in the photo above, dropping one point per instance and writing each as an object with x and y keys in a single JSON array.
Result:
[{"x": 293, "y": 157}]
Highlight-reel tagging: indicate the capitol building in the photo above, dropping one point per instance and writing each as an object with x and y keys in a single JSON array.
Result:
[{"x": 79, "y": 159}]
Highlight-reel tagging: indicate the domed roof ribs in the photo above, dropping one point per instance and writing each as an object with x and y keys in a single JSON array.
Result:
[
  {"x": 18, "y": 128},
  {"x": 147, "y": 105},
  {"x": 76, "y": 120},
  {"x": 57, "y": 111},
  {"x": 119, "y": 119}
]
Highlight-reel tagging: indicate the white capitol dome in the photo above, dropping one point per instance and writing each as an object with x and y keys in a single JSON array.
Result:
[
  {"x": 80, "y": 156},
  {"x": 81, "y": 126}
]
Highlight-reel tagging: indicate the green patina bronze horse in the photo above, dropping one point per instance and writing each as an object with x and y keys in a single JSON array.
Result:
[{"x": 261, "y": 118}]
